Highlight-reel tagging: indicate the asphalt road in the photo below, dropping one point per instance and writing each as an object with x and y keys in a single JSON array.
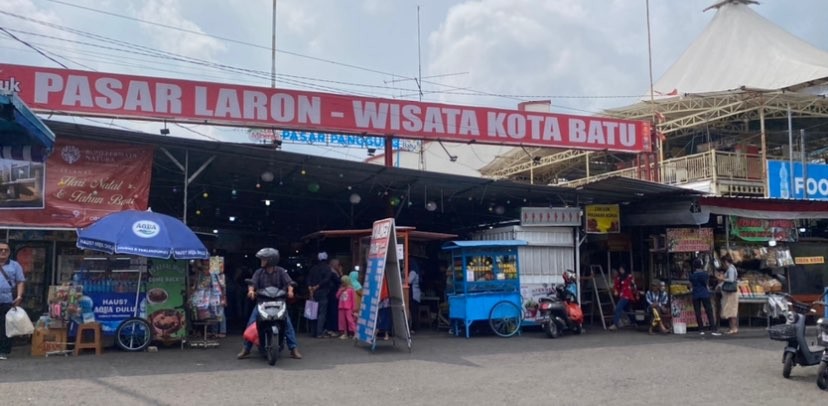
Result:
[{"x": 623, "y": 368}]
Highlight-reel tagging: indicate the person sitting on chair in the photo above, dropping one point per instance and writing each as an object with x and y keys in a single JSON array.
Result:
[{"x": 657, "y": 306}]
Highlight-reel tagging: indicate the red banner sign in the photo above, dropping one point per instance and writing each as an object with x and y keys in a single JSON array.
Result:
[
  {"x": 141, "y": 97},
  {"x": 83, "y": 182}
]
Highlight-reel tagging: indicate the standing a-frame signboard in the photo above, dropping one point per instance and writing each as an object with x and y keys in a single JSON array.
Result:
[{"x": 383, "y": 264}]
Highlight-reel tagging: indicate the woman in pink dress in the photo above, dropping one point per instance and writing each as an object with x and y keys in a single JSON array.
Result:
[{"x": 346, "y": 295}]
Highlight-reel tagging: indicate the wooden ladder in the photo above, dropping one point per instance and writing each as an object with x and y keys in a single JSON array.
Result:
[{"x": 602, "y": 294}]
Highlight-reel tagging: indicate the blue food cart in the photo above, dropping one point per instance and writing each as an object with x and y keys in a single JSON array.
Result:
[{"x": 485, "y": 285}]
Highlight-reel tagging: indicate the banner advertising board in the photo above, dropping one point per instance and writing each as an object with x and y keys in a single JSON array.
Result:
[
  {"x": 550, "y": 216},
  {"x": 603, "y": 218},
  {"x": 165, "y": 299},
  {"x": 128, "y": 96},
  {"x": 749, "y": 229},
  {"x": 80, "y": 182},
  {"x": 689, "y": 239},
  {"x": 383, "y": 265},
  {"x": 784, "y": 186}
]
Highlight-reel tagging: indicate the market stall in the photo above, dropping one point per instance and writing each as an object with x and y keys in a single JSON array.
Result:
[
  {"x": 151, "y": 311},
  {"x": 486, "y": 285}
]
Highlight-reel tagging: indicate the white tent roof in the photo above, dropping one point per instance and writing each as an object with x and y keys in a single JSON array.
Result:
[{"x": 742, "y": 49}]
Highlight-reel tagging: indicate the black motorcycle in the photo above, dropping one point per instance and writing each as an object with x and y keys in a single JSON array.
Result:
[
  {"x": 271, "y": 309},
  {"x": 822, "y": 339},
  {"x": 561, "y": 312},
  {"x": 797, "y": 351}
]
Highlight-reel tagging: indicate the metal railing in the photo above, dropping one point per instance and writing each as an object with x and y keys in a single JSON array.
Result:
[{"x": 710, "y": 165}]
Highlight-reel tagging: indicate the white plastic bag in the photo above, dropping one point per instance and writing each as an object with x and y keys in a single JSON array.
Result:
[{"x": 18, "y": 323}]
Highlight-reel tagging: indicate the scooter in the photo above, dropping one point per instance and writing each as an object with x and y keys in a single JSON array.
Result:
[
  {"x": 797, "y": 351},
  {"x": 561, "y": 311},
  {"x": 822, "y": 339},
  {"x": 270, "y": 322}
]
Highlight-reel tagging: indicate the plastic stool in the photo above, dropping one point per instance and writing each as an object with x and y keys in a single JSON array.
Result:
[{"x": 82, "y": 344}]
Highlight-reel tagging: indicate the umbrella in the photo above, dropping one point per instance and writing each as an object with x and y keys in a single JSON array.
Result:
[{"x": 142, "y": 233}]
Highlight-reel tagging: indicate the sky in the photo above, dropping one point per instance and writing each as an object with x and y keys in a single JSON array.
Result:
[{"x": 584, "y": 55}]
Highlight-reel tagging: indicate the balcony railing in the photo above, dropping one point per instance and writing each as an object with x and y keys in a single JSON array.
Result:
[{"x": 712, "y": 165}]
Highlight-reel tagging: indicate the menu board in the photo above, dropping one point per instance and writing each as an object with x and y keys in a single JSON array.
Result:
[
  {"x": 689, "y": 239},
  {"x": 165, "y": 299},
  {"x": 383, "y": 264}
]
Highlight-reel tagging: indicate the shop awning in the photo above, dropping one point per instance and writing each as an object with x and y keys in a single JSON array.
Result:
[
  {"x": 21, "y": 128},
  {"x": 760, "y": 208}
]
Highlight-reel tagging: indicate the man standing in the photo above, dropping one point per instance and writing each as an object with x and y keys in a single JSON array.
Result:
[
  {"x": 11, "y": 293},
  {"x": 319, "y": 285}
]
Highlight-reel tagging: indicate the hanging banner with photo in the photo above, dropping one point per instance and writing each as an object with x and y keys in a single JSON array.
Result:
[
  {"x": 80, "y": 182},
  {"x": 689, "y": 239},
  {"x": 603, "y": 218},
  {"x": 759, "y": 230}
]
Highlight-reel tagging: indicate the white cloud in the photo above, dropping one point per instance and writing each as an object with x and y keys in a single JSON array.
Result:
[{"x": 169, "y": 12}]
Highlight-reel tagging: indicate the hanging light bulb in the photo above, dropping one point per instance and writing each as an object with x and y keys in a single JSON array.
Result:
[
  {"x": 234, "y": 192},
  {"x": 232, "y": 218},
  {"x": 431, "y": 206},
  {"x": 205, "y": 195},
  {"x": 198, "y": 212},
  {"x": 268, "y": 176},
  {"x": 355, "y": 198},
  {"x": 267, "y": 202},
  {"x": 500, "y": 209},
  {"x": 303, "y": 172},
  {"x": 258, "y": 185}
]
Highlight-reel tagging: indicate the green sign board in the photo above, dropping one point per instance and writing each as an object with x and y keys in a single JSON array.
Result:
[
  {"x": 750, "y": 229},
  {"x": 165, "y": 299}
]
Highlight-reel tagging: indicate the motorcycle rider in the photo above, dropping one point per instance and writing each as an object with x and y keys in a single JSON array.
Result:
[{"x": 270, "y": 274}]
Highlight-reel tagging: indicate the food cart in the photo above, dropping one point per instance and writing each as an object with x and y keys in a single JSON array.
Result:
[{"x": 486, "y": 285}]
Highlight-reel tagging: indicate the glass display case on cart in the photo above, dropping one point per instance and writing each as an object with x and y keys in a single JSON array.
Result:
[{"x": 486, "y": 285}]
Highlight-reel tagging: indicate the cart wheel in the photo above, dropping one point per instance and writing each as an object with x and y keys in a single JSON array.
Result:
[
  {"x": 133, "y": 334},
  {"x": 504, "y": 318}
]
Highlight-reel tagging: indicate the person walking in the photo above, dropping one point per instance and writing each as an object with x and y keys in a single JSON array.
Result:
[
  {"x": 730, "y": 295},
  {"x": 319, "y": 286},
  {"x": 415, "y": 294},
  {"x": 701, "y": 298},
  {"x": 12, "y": 285},
  {"x": 346, "y": 300},
  {"x": 624, "y": 288}
]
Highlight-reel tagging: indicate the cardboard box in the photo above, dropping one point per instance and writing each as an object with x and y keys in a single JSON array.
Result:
[{"x": 47, "y": 340}]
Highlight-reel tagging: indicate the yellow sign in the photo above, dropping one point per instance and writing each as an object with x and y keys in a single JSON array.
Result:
[
  {"x": 603, "y": 218},
  {"x": 809, "y": 260}
]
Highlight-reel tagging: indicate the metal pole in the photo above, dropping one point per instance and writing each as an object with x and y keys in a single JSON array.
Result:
[
  {"x": 273, "y": 48},
  {"x": 764, "y": 148},
  {"x": 791, "y": 187},
  {"x": 186, "y": 181},
  {"x": 659, "y": 143},
  {"x": 804, "y": 163}
]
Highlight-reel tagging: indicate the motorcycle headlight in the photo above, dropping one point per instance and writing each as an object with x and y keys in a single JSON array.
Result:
[{"x": 820, "y": 320}]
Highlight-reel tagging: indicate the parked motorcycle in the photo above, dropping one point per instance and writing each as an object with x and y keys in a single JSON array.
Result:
[
  {"x": 271, "y": 308},
  {"x": 797, "y": 351},
  {"x": 561, "y": 311},
  {"x": 822, "y": 340}
]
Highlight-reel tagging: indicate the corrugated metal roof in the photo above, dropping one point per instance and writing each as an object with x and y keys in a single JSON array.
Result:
[
  {"x": 620, "y": 189},
  {"x": 477, "y": 244}
]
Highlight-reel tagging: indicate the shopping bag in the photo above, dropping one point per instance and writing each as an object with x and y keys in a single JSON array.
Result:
[
  {"x": 251, "y": 334},
  {"x": 18, "y": 323},
  {"x": 311, "y": 309}
]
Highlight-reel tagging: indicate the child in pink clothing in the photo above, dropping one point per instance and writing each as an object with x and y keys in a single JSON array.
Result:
[{"x": 347, "y": 308}]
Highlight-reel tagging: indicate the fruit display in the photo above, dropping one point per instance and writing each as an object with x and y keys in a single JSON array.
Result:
[{"x": 679, "y": 288}]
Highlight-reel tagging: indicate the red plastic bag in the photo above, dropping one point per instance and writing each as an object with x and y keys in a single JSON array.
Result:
[{"x": 251, "y": 334}]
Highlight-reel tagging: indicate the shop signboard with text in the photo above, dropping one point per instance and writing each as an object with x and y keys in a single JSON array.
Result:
[
  {"x": 760, "y": 230},
  {"x": 689, "y": 239},
  {"x": 603, "y": 218},
  {"x": 785, "y": 183},
  {"x": 83, "y": 182},
  {"x": 140, "y": 97}
]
